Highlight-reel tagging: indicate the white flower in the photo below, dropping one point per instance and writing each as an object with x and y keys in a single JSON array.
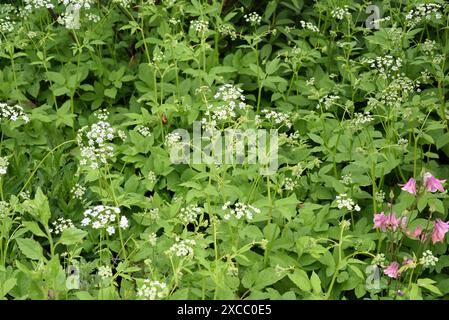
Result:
[
  {"x": 239, "y": 210},
  {"x": 105, "y": 272},
  {"x": 12, "y": 113},
  {"x": 189, "y": 214},
  {"x": 253, "y": 18},
  {"x": 3, "y": 165},
  {"x": 278, "y": 118},
  {"x": 343, "y": 201},
  {"x": 152, "y": 290},
  {"x": 182, "y": 248},
  {"x": 200, "y": 26},
  {"x": 340, "y": 13},
  {"x": 424, "y": 12},
  {"x": 428, "y": 259},
  {"x": 152, "y": 238},
  {"x": 327, "y": 101},
  {"x": 289, "y": 184},
  {"x": 309, "y": 26},
  {"x": 104, "y": 217},
  {"x": 143, "y": 130},
  {"x": 78, "y": 191},
  {"x": 93, "y": 142},
  {"x": 124, "y": 222},
  {"x": 60, "y": 225}
]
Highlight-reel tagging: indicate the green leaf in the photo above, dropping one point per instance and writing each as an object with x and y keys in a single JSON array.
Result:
[
  {"x": 71, "y": 236},
  {"x": 300, "y": 278},
  {"x": 428, "y": 284},
  {"x": 30, "y": 248},
  {"x": 110, "y": 92},
  {"x": 316, "y": 283},
  {"x": 33, "y": 226}
]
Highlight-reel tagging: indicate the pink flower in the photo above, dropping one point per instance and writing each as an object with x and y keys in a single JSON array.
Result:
[
  {"x": 392, "y": 221},
  {"x": 439, "y": 230},
  {"x": 383, "y": 222},
  {"x": 410, "y": 186},
  {"x": 380, "y": 221},
  {"x": 418, "y": 231},
  {"x": 392, "y": 270},
  {"x": 432, "y": 184}
]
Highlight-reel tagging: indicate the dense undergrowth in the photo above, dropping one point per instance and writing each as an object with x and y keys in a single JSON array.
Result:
[{"x": 93, "y": 206}]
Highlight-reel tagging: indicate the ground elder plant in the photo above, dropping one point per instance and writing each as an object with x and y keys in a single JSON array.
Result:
[{"x": 224, "y": 149}]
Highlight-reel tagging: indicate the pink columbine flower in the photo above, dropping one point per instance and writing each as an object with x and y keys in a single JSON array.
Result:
[
  {"x": 383, "y": 222},
  {"x": 410, "y": 186},
  {"x": 392, "y": 270},
  {"x": 439, "y": 230},
  {"x": 432, "y": 184},
  {"x": 393, "y": 222},
  {"x": 418, "y": 231},
  {"x": 380, "y": 220}
]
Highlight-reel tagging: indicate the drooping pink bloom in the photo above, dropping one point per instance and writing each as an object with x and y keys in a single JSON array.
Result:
[
  {"x": 392, "y": 221},
  {"x": 380, "y": 220},
  {"x": 407, "y": 261},
  {"x": 432, "y": 184},
  {"x": 392, "y": 270},
  {"x": 410, "y": 186},
  {"x": 439, "y": 230},
  {"x": 418, "y": 231}
]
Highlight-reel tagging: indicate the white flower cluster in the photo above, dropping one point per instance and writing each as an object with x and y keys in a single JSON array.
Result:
[
  {"x": 4, "y": 162},
  {"x": 398, "y": 91},
  {"x": 154, "y": 213},
  {"x": 70, "y": 20},
  {"x": 239, "y": 210},
  {"x": 380, "y": 196},
  {"x": 228, "y": 30},
  {"x": 4, "y": 209},
  {"x": 340, "y": 13},
  {"x": 380, "y": 260},
  {"x": 189, "y": 214},
  {"x": 346, "y": 179},
  {"x": 103, "y": 217},
  {"x": 387, "y": 65},
  {"x": 428, "y": 259},
  {"x": 60, "y": 225},
  {"x": 343, "y": 201},
  {"x": 230, "y": 98},
  {"x": 152, "y": 239},
  {"x": 424, "y": 12},
  {"x": 253, "y": 18},
  {"x": 143, "y": 130},
  {"x": 182, "y": 248},
  {"x": 279, "y": 118},
  {"x": 429, "y": 47},
  {"x": 12, "y": 113},
  {"x": 96, "y": 150},
  {"x": 78, "y": 191},
  {"x": 360, "y": 119},
  {"x": 327, "y": 101},
  {"x": 93, "y": 17},
  {"x": 289, "y": 184},
  {"x": 200, "y": 26},
  {"x": 36, "y": 4},
  {"x": 77, "y": 4},
  {"x": 151, "y": 176},
  {"x": 152, "y": 290},
  {"x": 173, "y": 139},
  {"x": 309, "y": 26},
  {"x": 105, "y": 272},
  {"x": 6, "y": 24}
]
